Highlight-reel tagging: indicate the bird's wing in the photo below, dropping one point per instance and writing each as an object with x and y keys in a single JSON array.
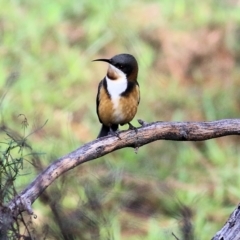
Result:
[
  {"x": 97, "y": 99},
  {"x": 138, "y": 89}
]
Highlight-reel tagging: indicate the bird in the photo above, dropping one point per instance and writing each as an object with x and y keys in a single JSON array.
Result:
[{"x": 118, "y": 94}]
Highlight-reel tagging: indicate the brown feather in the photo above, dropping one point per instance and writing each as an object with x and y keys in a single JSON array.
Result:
[{"x": 127, "y": 107}]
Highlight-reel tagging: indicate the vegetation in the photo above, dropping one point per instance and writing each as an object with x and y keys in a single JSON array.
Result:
[{"x": 189, "y": 59}]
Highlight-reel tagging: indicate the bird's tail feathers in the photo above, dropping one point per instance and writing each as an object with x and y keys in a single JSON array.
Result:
[{"x": 104, "y": 131}]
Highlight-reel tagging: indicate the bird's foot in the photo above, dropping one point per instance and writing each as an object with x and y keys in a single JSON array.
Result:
[
  {"x": 131, "y": 127},
  {"x": 114, "y": 133}
]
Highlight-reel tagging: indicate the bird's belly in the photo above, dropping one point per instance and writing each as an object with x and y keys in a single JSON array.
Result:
[{"x": 118, "y": 110}]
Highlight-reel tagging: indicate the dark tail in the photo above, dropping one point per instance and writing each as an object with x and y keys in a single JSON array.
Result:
[{"x": 105, "y": 130}]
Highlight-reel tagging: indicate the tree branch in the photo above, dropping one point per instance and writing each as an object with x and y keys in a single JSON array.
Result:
[
  {"x": 176, "y": 131},
  {"x": 231, "y": 229}
]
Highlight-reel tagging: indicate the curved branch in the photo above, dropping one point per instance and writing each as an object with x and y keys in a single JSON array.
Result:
[{"x": 177, "y": 131}]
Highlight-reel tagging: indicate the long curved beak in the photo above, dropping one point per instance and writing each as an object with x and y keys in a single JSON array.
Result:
[{"x": 102, "y": 60}]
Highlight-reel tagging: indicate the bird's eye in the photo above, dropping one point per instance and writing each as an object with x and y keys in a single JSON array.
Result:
[{"x": 120, "y": 66}]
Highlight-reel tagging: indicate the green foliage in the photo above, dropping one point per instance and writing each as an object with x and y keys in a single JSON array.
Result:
[
  {"x": 188, "y": 53},
  {"x": 15, "y": 154}
]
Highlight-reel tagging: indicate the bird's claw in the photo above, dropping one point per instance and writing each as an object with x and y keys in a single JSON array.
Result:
[{"x": 114, "y": 133}]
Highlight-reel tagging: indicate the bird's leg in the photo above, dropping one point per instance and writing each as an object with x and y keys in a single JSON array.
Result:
[
  {"x": 114, "y": 133},
  {"x": 131, "y": 127}
]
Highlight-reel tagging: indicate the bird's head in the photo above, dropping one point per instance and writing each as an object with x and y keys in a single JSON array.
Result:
[{"x": 122, "y": 65}]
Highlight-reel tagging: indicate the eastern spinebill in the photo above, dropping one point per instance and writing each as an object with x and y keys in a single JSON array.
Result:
[{"x": 118, "y": 94}]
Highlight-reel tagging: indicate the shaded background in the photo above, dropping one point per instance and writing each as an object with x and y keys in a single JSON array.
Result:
[{"x": 189, "y": 57}]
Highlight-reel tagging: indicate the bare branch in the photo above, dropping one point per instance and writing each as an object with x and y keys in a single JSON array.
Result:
[
  {"x": 231, "y": 229},
  {"x": 177, "y": 131}
]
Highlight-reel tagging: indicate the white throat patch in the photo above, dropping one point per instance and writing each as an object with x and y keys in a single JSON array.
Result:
[
  {"x": 115, "y": 88},
  {"x": 118, "y": 86}
]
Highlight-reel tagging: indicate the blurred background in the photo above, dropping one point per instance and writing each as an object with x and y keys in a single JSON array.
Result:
[{"x": 189, "y": 58}]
